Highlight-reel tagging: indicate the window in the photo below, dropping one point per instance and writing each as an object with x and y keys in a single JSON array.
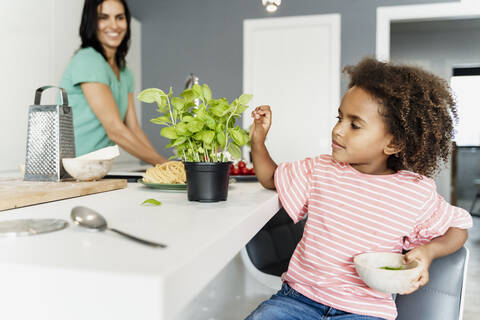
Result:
[{"x": 465, "y": 84}]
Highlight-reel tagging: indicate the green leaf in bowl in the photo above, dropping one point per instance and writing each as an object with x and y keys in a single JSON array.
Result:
[{"x": 391, "y": 268}]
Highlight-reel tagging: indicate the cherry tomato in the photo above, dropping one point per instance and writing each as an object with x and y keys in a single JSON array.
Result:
[
  {"x": 235, "y": 172},
  {"x": 244, "y": 171},
  {"x": 252, "y": 171},
  {"x": 241, "y": 164},
  {"x": 231, "y": 167}
]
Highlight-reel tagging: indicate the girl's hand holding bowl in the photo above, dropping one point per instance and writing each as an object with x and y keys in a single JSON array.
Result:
[
  {"x": 421, "y": 255},
  {"x": 387, "y": 272}
]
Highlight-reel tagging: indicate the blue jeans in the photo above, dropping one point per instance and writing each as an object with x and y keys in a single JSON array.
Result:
[{"x": 288, "y": 304}]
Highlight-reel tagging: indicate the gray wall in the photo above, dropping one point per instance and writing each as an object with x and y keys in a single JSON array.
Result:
[
  {"x": 206, "y": 37},
  {"x": 439, "y": 46}
]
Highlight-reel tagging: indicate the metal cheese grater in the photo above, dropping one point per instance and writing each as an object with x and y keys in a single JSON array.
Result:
[{"x": 49, "y": 139}]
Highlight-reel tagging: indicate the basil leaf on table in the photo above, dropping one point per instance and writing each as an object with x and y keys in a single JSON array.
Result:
[{"x": 151, "y": 202}]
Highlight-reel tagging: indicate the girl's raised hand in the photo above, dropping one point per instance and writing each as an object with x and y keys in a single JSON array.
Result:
[
  {"x": 262, "y": 119},
  {"x": 422, "y": 255}
]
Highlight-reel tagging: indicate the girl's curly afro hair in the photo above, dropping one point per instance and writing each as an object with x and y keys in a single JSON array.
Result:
[{"x": 418, "y": 108}]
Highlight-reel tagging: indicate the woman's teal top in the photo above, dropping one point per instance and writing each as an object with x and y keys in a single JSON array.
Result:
[{"x": 88, "y": 65}]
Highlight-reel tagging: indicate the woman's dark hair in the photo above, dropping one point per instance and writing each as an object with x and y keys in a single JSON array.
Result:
[
  {"x": 88, "y": 31},
  {"x": 418, "y": 108}
]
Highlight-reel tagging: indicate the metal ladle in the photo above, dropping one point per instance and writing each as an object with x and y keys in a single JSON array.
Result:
[{"x": 91, "y": 219}]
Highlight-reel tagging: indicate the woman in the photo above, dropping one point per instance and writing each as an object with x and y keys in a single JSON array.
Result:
[{"x": 100, "y": 86}]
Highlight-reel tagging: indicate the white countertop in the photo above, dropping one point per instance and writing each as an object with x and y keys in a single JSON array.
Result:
[{"x": 49, "y": 272}]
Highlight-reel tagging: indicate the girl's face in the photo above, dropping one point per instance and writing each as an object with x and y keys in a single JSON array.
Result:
[
  {"x": 360, "y": 137},
  {"x": 112, "y": 24}
]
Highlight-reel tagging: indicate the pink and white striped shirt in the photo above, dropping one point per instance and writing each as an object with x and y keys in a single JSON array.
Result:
[{"x": 351, "y": 213}]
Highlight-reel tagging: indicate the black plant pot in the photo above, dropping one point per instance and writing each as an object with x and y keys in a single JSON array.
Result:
[{"x": 207, "y": 181}]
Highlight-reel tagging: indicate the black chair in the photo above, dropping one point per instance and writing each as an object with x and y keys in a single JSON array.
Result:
[{"x": 267, "y": 255}]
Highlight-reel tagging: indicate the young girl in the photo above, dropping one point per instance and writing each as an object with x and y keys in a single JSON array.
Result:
[{"x": 373, "y": 193}]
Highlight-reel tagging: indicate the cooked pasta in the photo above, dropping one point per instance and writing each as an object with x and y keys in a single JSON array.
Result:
[{"x": 171, "y": 172}]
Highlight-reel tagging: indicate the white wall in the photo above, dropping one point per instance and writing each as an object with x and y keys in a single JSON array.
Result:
[
  {"x": 134, "y": 62},
  {"x": 298, "y": 78},
  {"x": 38, "y": 39}
]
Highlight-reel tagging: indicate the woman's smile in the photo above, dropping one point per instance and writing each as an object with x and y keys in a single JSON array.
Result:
[{"x": 113, "y": 34}]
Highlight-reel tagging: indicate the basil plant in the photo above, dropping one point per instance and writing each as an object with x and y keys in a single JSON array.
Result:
[{"x": 200, "y": 128}]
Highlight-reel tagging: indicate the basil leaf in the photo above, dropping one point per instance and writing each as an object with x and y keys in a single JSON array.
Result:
[
  {"x": 151, "y": 95},
  {"x": 181, "y": 129},
  {"x": 179, "y": 141},
  {"x": 241, "y": 109},
  {"x": 151, "y": 202},
  {"x": 208, "y": 136},
  {"x": 245, "y": 98},
  {"x": 161, "y": 120},
  {"x": 207, "y": 93},
  {"x": 187, "y": 119},
  {"x": 210, "y": 122},
  {"x": 237, "y": 136},
  {"x": 235, "y": 151},
  {"x": 218, "y": 110},
  {"x": 246, "y": 136},
  {"x": 162, "y": 104},
  {"x": 221, "y": 139},
  {"x": 198, "y": 91},
  {"x": 169, "y": 132},
  {"x": 195, "y": 126},
  {"x": 178, "y": 103},
  {"x": 188, "y": 95},
  {"x": 391, "y": 268}
]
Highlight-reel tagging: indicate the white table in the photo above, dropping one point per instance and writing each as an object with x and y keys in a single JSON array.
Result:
[{"x": 79, "y": 274}]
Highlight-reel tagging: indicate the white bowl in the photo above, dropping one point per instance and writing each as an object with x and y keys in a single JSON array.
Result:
[
  {"x": 87, "y": 169},
  {"x": 369, "y": 268}
]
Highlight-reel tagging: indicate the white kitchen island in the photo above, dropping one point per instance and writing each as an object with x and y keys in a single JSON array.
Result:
[{"x": 79, "y": 274}]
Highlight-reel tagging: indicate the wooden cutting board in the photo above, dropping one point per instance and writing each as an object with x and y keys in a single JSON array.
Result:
[{"x": 15, "y": 192}]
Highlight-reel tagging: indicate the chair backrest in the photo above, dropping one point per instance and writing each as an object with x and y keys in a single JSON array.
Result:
[
  {"x": 267, "y": 255},
  {"x": 442, "y": 297},
  {"x": 272, "y": 247}
]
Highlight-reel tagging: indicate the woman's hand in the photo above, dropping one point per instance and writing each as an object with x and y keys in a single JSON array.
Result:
[
  {"x": 262, "y": 119},
  {"x": 424, "y": 258}
]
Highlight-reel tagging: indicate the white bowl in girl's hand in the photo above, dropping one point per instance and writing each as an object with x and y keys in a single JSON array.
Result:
[{"x": 371, "y": 269}]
